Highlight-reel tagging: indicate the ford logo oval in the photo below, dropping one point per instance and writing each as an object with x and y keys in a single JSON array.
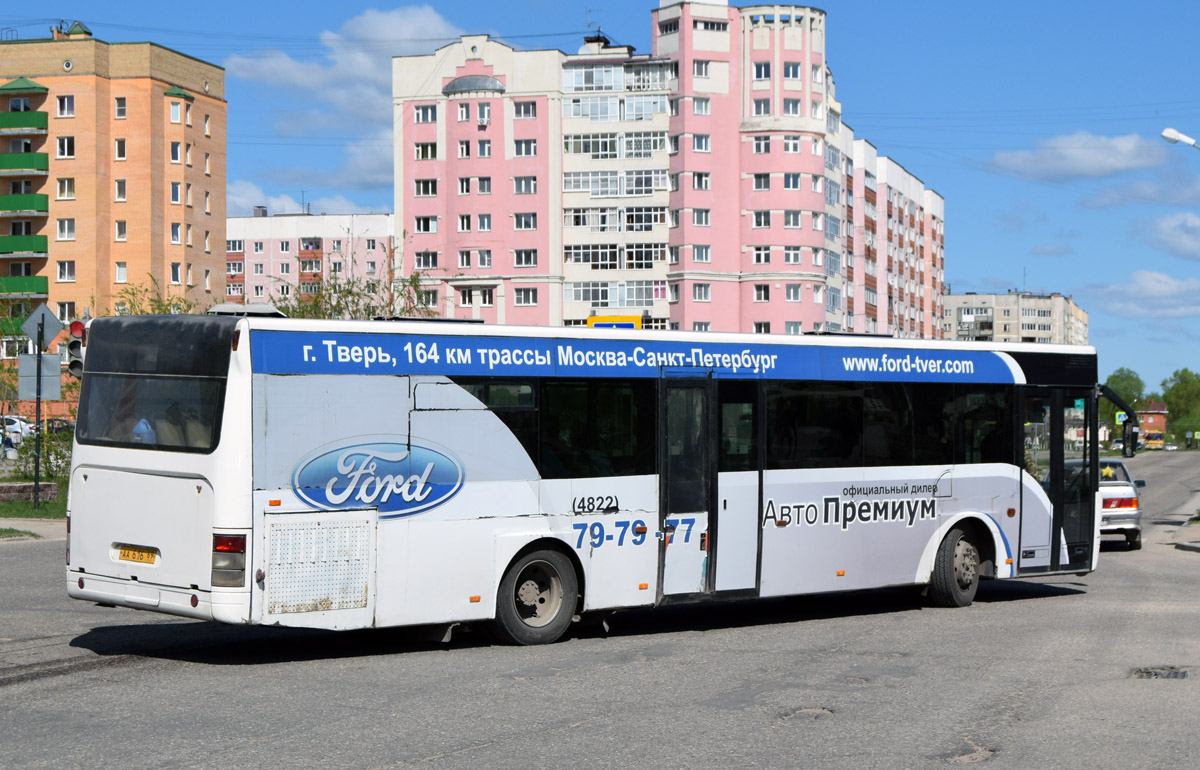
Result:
[{"x": 398, "y": 479}]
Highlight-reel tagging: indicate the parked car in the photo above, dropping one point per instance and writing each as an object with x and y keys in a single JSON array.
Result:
[
  {"x": 1117, "y": 445},
  {"x": 1171, "y": 446},
  {"x": 17, "y": 429},
  {"x": 1122, "y": 512},
  {"x": 56, "y": 426}
]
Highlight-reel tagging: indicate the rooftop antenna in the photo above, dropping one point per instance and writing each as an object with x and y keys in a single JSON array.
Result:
[{"x": 591, "y": 23}]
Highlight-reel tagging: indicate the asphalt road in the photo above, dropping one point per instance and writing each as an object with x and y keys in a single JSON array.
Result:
[{"x": 1034, "y": 674}]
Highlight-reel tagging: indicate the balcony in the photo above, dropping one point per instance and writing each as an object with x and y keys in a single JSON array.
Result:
[
  {"x": 28, "y": 205},
  {"x": 22, "y": 123},
  {"x": 25, "y": 286},
  {"x": 25, "y": 246},
  {"x": 24, "y": 163}
]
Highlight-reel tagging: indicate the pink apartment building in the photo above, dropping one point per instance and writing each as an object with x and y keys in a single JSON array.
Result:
[
  {"x": 280, "y": 256},
  {"x": 709, "y": 185}
]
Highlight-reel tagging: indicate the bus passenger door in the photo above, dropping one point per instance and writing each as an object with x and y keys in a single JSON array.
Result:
[
  {"x": 685, "y": 487},
  {"x": 734, "y": 526}
]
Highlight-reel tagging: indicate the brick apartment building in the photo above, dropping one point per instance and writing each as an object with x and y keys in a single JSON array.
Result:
[
  {"x": 112, "y": 174},
  {"x": 709, "y": 185}
]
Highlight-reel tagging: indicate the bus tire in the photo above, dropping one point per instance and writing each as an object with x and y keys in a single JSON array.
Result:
[
  {"x": 536, "y": 600},
  {"x": 955, "y": 571}
]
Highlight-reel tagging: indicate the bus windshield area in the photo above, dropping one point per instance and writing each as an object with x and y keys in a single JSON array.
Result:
[{"x": 173, "y": 413}]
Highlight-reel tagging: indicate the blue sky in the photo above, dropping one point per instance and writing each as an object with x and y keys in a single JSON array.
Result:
[{"x": 1038, "y": 122}]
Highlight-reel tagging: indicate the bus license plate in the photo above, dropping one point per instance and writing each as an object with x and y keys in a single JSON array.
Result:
[{"x": 140, "y": 555}]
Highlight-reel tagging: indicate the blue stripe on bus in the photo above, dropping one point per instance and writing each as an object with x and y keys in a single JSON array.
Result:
[{"x": 285, "y": 352}]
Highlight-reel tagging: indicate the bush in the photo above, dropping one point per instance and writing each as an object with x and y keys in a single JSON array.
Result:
[{"x": 56, "y": 456}]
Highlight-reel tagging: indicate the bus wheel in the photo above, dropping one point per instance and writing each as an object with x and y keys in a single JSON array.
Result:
[
  {"x": 537, "y": 598},
  {"x": 955, "y": 571}
]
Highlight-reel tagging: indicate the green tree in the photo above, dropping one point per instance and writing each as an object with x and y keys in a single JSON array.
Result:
[
  {"x": 1181, "y": 392},
  {"x": 149, "y": 299},
  {"x": 1128, "y": 385}
]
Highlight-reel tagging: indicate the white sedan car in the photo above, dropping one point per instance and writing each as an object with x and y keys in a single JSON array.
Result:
[{"x": 17, "y": 429}]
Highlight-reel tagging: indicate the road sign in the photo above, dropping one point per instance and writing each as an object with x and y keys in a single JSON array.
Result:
[
  {"x": 1121, "y": 418},
  {"x": 27, "y": 364},
  {"x": 615, "y": 321},
  {"x": 51, "y": 326}
]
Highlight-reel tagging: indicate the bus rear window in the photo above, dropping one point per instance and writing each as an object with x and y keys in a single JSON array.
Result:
[{"x": 155, "y": 382}]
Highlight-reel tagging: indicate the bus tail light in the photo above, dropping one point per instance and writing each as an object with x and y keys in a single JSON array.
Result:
[{"x": 229, "y": 561}]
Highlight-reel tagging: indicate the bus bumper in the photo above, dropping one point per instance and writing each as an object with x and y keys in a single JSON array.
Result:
[{"x": 188, "y": 603}]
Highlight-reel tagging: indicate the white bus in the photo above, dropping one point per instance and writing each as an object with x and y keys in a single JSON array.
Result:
[{"x": 343, "y": 475}]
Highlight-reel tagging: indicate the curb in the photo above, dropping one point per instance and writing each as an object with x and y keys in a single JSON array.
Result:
[{"x": 1189, "y": 545}]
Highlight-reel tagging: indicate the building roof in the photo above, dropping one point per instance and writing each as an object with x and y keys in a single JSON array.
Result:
[
  {"x": 177, "y": 91},
  {"x": 1153, "y": 406},
  {"x": 468, "y": 83},
  {"x": 22, "y": 86}
]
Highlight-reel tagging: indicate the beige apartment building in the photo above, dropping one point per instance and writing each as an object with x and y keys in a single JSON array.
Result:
[
  {"x": 1017, "y": 316},
  {"x": 112, "y": 175}
]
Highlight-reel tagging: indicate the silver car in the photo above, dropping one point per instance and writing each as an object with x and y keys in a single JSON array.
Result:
[{"x": 1122, "y": 512}]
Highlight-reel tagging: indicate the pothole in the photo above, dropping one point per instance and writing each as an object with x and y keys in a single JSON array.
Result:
[
  {"x": 1160, "y": 672},
  {"x": 810, "y": 712}
]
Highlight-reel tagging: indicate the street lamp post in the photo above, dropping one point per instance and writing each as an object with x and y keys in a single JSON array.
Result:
[{"x": 1173, "y": 136}]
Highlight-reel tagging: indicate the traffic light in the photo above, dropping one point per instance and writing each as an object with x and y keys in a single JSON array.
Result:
[{"x": 75, "y": 349}]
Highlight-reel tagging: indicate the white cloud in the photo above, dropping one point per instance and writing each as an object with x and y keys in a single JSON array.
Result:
[
  {"x": 241, "y": 197},
  {"x": 1178, "y": 234},
  {"x": 1082, "y": 155},
  {"x": 1148, "y": 294}
]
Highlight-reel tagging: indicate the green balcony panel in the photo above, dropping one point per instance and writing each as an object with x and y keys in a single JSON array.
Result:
[
  {"x": 24, "y": 161},
  {"x": 25, "y": 285},
  {"x": 11, "y": 122},
  {"x": 23, "y": 244},
  {"x": 34, "y": 202}
]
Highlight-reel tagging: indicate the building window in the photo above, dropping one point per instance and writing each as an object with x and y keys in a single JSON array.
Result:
[
  {"x": 701, "y": 217},
  {"x": 525, "y": 221},
  {"x": 426, "y": 113},
  {"x": 791, "y": 180},
  {"x": 701, "y": 326},
  {"x": 66, "y": 147},
  {"x": 818, "y": 73},
  {"x": 464, "y": 259},
  {"x": 762, "y": 327},
  {"x": 791, "y": 70},
  {"x": 526, "y": 148},
  {"x": 464, "y": 148},
  {"x": 524, "y": 297},
  {"x": 485, "y": 223},
  {"x": 485, "y": 113},
  {"x": 464, "y": 223},
  {"x": 485, "y": 148},
  {"x": 206, "y": 123},
  {"x": 66, "y": 311},
  {"x": 791, "y": 219},
  {"x": 176, "y": 152},
  {"x": 793, "y": 107},
  {"x": 762, "y": 70},
  {"x": 466, "y": 297},
  {"x": 426, "y": 188},
  {"x": 464, "y": 185},
  {"x": 66, "y": 189},
  {"x": 762, "y": 255},
  {"x": 207, "y": 164},
  {"x": 525, "y": 185},
  {"x": 525, "y": 258},
  {"x": 370, "y": 267},
  {"x": 762, "y": 107},
  {"x": 231, "y": 268},
  {"x": 485, "y": 257},
  {"x": 791, "y": 255},
  {"x": 701, "y": 292},
  {"x": 762, "y": 181},
  {"x": 792, "y": 327},
  {"x": 66, "y": 106},
  {"x": 425, "y": 260},
  {"x": 66, "y": 271},
  {"x": 258, "y": 247},
  {"x": 701, "y": 143},
  {"x": 486, "y": 296},
  {"x": 176, "y": 273},
  {"x": 700, "y": 68},
  {"x": 122, "y": 276},
  {"x": 793, "y": 292},
  {"x": 701, "y": 180},
  {"x": 464, "y": 111},
  {"x": 175, "y": 112},
  {"x": 524, "y": 110},
  {"x": 175, "y": 192},
  {"x": 762, "y": 145},
  {"x": 119, "y": 108},
  {"x": 285, "y": 269},
  {"x": 66, "y": 230},
  {"x": 176, "y": 233},
  {"x": 762, "y": 292},
  {"x": 121, "y": 232},
  {"x": 425, "y": 150},
  {"x": 701, "y": 253},
  {"x": 701, "y": 106},
  {"x": 207, "y": 209},
  {"x": 791, "y": 144},
  {"x": 762, "y": 219},
  {"x": 425, "y": 225}
]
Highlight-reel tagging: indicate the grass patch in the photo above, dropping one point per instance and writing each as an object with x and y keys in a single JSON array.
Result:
[
  {"x": 1195, "y": 519},
  {"x": 8, "y": 532},
  {"x": 23, "y": 509}
]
